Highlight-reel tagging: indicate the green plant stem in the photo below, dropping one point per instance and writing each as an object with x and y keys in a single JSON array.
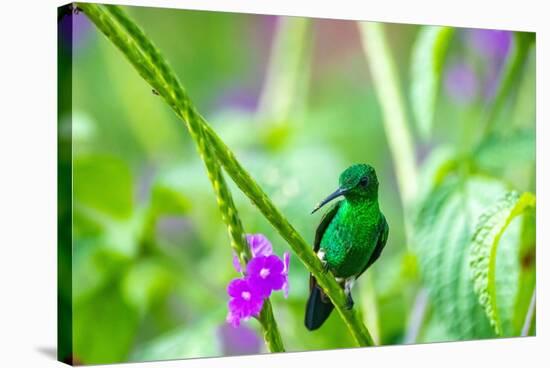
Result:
[
  {"x": 384, "y": 74},
  {"x": 416, "y": 318},
  {"x": 269, "y": 328},
  {"x": 286, "y": 70},
  {"x": 223, "y": 195},
  {"x": 515, "y": 62},
  {"x": 530, "y": 314},
  {"x": 385, "y": 78},
  {"x": 148, "y": 62}
]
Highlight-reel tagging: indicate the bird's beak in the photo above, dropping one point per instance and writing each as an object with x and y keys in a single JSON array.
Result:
[{"x": 336, "y": 194}]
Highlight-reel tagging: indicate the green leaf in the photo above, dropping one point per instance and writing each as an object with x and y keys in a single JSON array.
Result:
[
  {"x": 147, "y": 281},
  {"x": 443, "y": 227},
  {"x": 500, "y": 151},
  {"x": 485, "y": 247},
  {"x": 440, "y": 162},
  {"x": 169, "y": 201},
  {"x": 103, "y": 183},
  {"x": 104, "y": 328},
  {"x": 102, "y": 247},
  {"x": 196, "y": 340},
  {"x": 428, "y": 56}
]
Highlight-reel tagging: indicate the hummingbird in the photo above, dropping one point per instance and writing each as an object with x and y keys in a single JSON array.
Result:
[{"x": 349, "y": 238}]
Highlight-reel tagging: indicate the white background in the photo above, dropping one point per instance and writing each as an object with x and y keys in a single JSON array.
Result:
[{"x": 28, "y": 181}]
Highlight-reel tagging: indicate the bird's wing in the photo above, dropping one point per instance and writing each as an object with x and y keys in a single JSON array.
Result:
[
  {"x": 319, "y": 305},
  {"x": 325, "y": 221},
  {"x": 380, "y": 243}
]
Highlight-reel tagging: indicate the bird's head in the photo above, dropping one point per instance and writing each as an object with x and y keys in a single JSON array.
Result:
[{"x": 358, "y": 182}]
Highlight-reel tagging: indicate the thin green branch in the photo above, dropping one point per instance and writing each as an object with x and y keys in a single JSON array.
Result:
[
  {"x": 148, "y": 62},
  {"x": 530, "y": 314},
  {"x": 416, "y": 317},
  {"x": 286, "y": 70},
  {"x": 385, "y": 78},
  {"x": 511, "y": 71}
]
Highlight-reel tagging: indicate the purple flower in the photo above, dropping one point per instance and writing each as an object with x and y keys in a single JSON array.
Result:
[
  {"x": 266, "y": 274},
  {"x": 461, "y": 83},
  {"x": 244, "y": 303},
  {"x": 259, "y": 246}
]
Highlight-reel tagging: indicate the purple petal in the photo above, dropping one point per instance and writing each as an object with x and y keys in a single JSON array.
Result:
[
  {"x": 236, "y": 287},
  {"x": 259, "y": 245},
  {"x": 286, "y": 261},
  {"x": 240, "y": 308},
  {"x": 285, "y": 288},
  {"x": 271, "y": 263},
  {"x": 237, "y": 263},
  {"x": 233, "y": 319},
  {"x": 265, "y": 274}
]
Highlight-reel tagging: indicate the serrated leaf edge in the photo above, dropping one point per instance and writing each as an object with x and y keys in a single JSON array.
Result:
[{"x": 483, "y": 249}]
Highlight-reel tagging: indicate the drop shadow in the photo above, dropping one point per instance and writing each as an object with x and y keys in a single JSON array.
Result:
[{"x": 48, "y": 351}]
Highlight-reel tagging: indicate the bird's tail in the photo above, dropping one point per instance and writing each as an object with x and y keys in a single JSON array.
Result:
[{"x": 318, "y": 306}]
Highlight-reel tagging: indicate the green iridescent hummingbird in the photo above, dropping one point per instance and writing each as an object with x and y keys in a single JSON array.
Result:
[{"x": 350, "y": 238}]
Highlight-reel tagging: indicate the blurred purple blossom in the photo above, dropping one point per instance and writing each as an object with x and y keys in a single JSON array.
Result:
[
  {"x": 461, "y": 83},
  {"x": 493, "y": 44},
  {"x": 491, "y": 82},
  {"x": 239, "y": 340},
  {"x": 238, "y": 98}
]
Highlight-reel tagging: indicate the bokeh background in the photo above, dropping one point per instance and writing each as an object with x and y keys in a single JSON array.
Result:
[{"x": 294, "y": 99}]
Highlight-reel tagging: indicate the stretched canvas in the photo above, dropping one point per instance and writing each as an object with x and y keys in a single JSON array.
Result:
[{"x": 233, "y": 184}]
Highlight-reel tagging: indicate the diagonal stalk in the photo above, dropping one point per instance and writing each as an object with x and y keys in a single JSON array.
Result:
[{"x": 148, "y": 62}]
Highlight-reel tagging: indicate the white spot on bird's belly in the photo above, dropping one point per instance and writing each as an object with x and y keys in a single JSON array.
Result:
[{"x": 321, "y": 254}]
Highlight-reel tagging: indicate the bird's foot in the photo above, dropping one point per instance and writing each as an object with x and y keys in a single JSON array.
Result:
[
  {"x": 348, "y": 285},
  {"x": 349, "y": 302}
]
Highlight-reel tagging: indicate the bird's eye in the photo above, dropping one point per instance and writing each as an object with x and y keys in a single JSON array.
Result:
[{"x": 364, "y": 181}]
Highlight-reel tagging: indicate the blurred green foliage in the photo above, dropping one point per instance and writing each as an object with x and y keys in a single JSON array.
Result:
[{"x": 151, "y": 256}]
